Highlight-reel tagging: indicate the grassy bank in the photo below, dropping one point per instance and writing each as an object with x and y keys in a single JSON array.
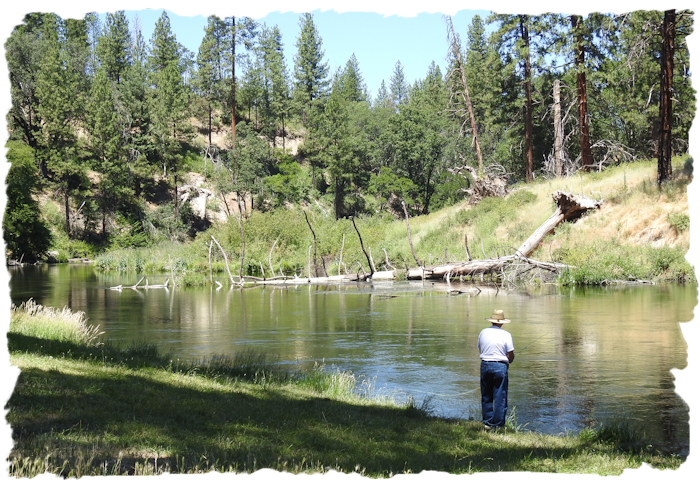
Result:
[
  {"x": 81, "y": 407},
  {"x": 641, "y": 232}
]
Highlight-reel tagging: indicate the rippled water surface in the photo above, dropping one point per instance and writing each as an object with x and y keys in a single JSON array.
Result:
[{"x": 584, "y": 356}]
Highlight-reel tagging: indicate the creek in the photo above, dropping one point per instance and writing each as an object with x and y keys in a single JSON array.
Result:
[{"x": 587, "y": 355}]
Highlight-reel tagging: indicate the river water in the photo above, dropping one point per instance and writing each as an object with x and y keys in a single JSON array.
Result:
[{"x": 583, "y": 355}]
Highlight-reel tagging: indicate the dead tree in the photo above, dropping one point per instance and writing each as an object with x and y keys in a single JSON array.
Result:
[
  {"x": 408, "y": 229},
  {"x": 569, "y": 208},
  {"x": 558, "y": 131},
  {"x": 493, "y": 182},
  {"x": 460, "y": 79}
]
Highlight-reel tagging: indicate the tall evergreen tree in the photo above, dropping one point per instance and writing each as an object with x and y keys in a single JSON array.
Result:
[
  {"x": 310, "y": 71},
  {"x": 275, "y": 81},
  {"x": 113, "y": 46},
  {"x": 213, "y": 65},
  {"x": 60, "y": 86},
  {"x": 351, "y": 84},
  {"x": 398, "y": 85},
  {"x": 168, "y": 106}
]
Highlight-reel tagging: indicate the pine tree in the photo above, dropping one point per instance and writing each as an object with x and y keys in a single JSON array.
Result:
[
  {"x": 275, "y": 80},
  {"x": 107, "y": 125},
  {"x": 351, "y": 84},
  {"x": 398, "y": 86},
  {"x": 168, "y": 106},
  {"x": 113, "y": 49},
  {"x": 60, "y": 84},
  {"x": 310, "y": 71},
  {"x": 213, "y": 65}
]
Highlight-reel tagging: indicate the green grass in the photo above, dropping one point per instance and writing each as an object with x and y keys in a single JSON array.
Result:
[{"x": 93, "y": 409}]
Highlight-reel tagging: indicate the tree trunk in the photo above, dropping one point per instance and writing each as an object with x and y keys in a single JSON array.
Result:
[
  {"x": 569, "y": 208},
  {"x": 66, "y": 201},
  {"x": 558, "y": 131},
  {"x": 465, "y": 91},
  {"x": 529, "y": 177},
  {"x": 233, "y": 79},
  {"x": 584, "y": 134},
  {"x": 668, "y": 34},
  {"x": 408, "y": 229}
]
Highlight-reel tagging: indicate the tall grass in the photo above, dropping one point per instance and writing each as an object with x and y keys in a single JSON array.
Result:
[{"x": 34, "y": 320}]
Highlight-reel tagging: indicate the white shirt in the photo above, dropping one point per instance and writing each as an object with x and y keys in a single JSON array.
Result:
[{"x": 494, "y": 344}]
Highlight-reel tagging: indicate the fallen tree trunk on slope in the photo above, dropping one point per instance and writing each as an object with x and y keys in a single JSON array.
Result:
[{"x": 569, "y": 208}]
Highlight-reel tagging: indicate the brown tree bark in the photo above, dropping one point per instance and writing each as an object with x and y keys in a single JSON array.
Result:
[
  {"x": 233, "y": 79},
  {"x": 584, "y": 132},
  {"x": 569, "y": 207},
  {"x": 668, "y": 36},
  {"x": 529, "y": 177},
  {"x": 558, "y": 131},
  {"x": 462, "y": 79}
]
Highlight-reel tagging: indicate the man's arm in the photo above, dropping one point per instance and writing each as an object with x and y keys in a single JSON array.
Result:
[{"x": 511, "y": 356}]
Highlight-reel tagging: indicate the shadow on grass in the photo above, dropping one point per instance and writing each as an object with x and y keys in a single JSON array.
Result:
[{"x": 117, "y": 418}]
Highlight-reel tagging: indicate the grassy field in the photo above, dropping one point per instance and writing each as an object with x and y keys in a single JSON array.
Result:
[
  {"x": 81, "y": 408},
  {"x": 640, "y": 232}
]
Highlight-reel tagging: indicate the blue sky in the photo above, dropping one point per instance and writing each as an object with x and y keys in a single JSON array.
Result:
[
  {"x": 378, "y": 32},
  {"x": 377, "y": 42}
]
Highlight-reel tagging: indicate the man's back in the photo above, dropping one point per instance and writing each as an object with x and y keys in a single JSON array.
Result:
[{"x": 494, "y": 344}]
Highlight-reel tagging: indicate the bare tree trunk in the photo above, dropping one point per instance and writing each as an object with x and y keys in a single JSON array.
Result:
[
  {"x": 569, "y": 207},
  {"x": 558, "y": 131},
  {"x": 668, "y": 34},
  {"x": 66, "y": 201},
  {"x": 362, "y": 245},
  {"x": 233, "y": 79},
  {"x": 408, "y": 229},
  {"x": 240, "y": 270},
  {"x": 529, "y": 177},
  {"x": 584, "y": 133},
  {"x": 223, "y": 253},
  {"x": 315, "y": 253},
  {"x": 459, "y": 68}
]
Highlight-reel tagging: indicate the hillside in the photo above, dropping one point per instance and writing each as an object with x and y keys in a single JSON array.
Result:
[{"x": 639, "y": 233}]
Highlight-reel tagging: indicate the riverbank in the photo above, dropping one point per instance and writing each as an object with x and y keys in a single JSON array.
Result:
[
  {"x": 640, "y": 233},
  {"x": 81, "y": 408}
]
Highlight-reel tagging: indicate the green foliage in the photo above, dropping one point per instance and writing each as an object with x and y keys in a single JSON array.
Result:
[
  {"x": 679, "y": 221},
  {"x": 26, "y": 234},
  {"x": 605, "y": 261},
  {"x": 290, "y": 184}
]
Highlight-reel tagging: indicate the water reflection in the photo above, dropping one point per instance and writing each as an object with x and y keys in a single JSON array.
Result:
[{"x": 583, "y": 355}]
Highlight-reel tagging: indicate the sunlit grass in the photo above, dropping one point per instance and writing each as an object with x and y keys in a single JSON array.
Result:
[{"x": 43, "y": 322}]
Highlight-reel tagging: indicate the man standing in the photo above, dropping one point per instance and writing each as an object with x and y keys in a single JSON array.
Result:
[{"x": 496, "y": 352}]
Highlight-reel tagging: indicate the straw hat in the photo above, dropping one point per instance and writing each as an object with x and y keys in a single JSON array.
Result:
[{"x": 498, "y": 317}]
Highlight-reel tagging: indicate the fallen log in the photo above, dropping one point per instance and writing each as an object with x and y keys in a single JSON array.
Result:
[
  {"x": 477, "y": 267},
  {"x": 569, "y": 208}
]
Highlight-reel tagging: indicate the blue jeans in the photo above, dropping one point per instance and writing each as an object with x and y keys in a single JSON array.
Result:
[{"x": 494, "y": 393}]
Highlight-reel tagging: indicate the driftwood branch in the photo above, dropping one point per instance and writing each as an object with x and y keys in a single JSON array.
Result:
[
  {"x": 408, "y": 229},
  {"x": 240, "y": 270},
  {"x": 315, "y": 252},
  {"x": 269, "y": 258},
  {"x": 362, "y": 245},
  {"x": 223, "y": 253}
]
